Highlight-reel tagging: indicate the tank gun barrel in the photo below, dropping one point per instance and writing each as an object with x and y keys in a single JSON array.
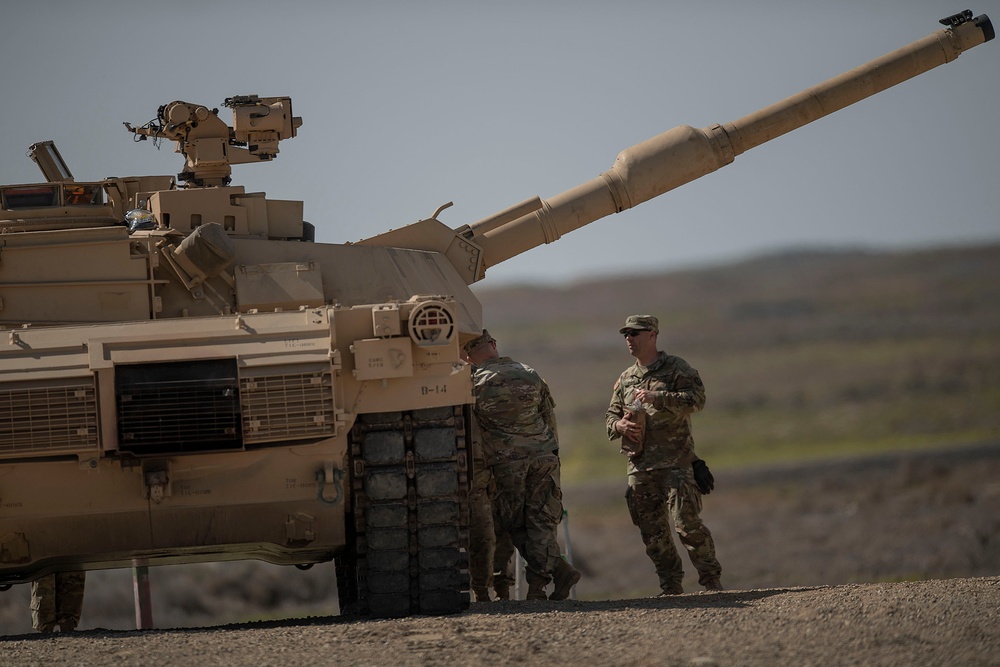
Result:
[{"x": 684, "y": 153}]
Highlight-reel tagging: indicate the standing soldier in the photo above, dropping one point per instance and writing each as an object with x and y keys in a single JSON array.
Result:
[
  {"x": 651, "y": 407},
  {"x": 482, "y": 539},
  {"x": 57, "y": 599},
  {"x": 515, "y": 412}
]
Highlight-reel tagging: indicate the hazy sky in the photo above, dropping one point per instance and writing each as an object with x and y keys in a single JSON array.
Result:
[{"x": 408, "y": 105}]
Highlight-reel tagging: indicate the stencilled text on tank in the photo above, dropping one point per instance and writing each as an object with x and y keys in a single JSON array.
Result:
[
  {"x": 293, "y": 343},
  {"x": 187, "y": 490},
  {"x": 427, "y": 390}
]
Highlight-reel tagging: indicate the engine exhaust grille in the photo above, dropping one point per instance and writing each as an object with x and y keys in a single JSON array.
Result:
[
  {"x": 182, "y": 407},
  {"x": 49, "y": 419}
]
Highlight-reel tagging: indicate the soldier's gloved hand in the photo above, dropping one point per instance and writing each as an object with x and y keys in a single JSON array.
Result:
[{"x": 703, "y": 477}]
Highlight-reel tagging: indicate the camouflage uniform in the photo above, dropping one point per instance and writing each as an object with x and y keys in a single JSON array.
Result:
[
  {"x": 515, "y": 412},
  {"x": 503, "y": 566},
  {"x": 661, "y": 487},
  {"x": 57, "y": 599},
  {"x": 482, "y": 540}
]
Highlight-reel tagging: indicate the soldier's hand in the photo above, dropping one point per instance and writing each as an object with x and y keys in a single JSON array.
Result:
[
  {"x": 645, "y": 396},
  {"x": 703, "y": 477},
  {"x": 629, "y": 429}
]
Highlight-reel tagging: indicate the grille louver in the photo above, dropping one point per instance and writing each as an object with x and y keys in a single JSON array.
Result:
[
  {"x": 50, "y": 419},
  {"x": 287, "y": 406}
]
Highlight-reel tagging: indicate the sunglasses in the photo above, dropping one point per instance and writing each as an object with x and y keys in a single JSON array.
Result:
[{"x": 632, "y": 333}]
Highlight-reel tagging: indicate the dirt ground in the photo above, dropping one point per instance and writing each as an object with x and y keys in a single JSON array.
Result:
[
  {"x": 939, "y": 622},
  {"x": 891, "y": 560}
]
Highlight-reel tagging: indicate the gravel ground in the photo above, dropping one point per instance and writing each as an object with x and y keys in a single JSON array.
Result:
[{"x": 939, "y": 622}]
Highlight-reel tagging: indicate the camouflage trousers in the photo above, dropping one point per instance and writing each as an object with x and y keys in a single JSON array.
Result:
[
  {"x": 482, "y": 541},
  {"x": 528, "y": 508},
  {"x": 664, "y": 500},
  {"x": 503, "y": 566},
  {"x": 57, "y": 599}
]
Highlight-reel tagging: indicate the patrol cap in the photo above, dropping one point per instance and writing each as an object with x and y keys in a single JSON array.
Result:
[
  {"x": 641, "y": 323},
  {"x": 484, "y": 337}
]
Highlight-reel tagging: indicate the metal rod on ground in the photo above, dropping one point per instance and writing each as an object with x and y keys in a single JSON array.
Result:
[
  {"x": 143, "y": 606},
  {"x": 519, "y": 566},
  {"x": 569, "y": 547}
]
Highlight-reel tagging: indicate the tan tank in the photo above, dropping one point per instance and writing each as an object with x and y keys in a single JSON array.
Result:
[{"x": 185, "y": 376}]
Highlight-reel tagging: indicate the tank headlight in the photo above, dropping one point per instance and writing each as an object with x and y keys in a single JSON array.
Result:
[{"x": 432, "y": 323}]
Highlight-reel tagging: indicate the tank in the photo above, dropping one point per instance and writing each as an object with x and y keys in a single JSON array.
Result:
[{"x": 186, "y": 376}]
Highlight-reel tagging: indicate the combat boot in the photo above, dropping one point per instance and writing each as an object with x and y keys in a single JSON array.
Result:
[
  {"x": 714, "y": 585},
  {"x": 536, "y": 587},
  {"x": 536, "y": 592},
  {"x": 502, "y": 590},
  {"x": 482, "y": 594},
  {"x": 565, "y": 577}
]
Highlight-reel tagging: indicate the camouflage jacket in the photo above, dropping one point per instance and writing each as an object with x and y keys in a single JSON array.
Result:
[
  {"x": 514, "y": 409},
  {"x": 679, "y": 394}
]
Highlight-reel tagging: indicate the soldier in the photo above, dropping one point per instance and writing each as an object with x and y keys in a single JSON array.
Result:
[
  {"x": 482, "y": 539},
  {"x": 651, "y": 407},
  {"x": 515, "y": 412},
  {"x": 489, "y": 553},
  {"x": 57, "y": 599}
]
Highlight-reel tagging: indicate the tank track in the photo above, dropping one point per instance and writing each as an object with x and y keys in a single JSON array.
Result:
[{"x": 410, "y": 528}]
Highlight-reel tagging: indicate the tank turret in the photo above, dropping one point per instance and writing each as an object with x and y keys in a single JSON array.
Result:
[{"x": 186, "y": 376}]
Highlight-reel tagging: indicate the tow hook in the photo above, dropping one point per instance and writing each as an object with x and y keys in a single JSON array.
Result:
[{"x": 329, "y": 475}]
